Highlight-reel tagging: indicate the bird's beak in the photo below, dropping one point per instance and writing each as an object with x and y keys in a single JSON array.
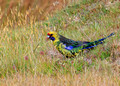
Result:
[{"x": 47, "y": 37}]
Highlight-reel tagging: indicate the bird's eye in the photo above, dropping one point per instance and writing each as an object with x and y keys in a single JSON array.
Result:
[{"x": 51, "y": 34}]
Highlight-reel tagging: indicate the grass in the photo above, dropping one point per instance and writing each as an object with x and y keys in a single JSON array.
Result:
[
  {"x": 22, "y": 62},
  {"x": 94, "y": 78}
]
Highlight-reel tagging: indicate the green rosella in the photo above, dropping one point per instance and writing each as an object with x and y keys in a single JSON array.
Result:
[{"x": 71, "y": 48}]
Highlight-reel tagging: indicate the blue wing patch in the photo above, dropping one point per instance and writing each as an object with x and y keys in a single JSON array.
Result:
[
  {"x": 71, "y": 47},
  {"x": 68, "y": 47}
]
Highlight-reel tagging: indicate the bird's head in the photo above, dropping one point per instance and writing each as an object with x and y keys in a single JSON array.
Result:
[{"x": 52, "y": 36}]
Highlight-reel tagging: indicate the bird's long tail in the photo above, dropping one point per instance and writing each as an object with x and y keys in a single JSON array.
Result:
[{"x": 95, "y": 43}]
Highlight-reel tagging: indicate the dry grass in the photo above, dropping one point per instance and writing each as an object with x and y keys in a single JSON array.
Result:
[
  {"x": 38, "y": 8},
  {"x": 89, "y": 78}
]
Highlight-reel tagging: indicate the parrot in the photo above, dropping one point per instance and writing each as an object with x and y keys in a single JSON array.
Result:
[{"x": 71, "y": 48}]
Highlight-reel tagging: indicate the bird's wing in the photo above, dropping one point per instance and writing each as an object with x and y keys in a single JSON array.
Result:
[
  {"x": 77, "y": 44},
  {"x": 66, "y": 41},
  {"x": 71, "y": 44}
]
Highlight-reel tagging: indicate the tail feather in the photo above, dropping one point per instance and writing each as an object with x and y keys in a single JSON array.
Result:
[{"x": 95, "y": 43}]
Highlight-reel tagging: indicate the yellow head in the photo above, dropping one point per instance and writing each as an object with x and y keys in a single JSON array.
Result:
[{"x": 53, "y": 36}]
